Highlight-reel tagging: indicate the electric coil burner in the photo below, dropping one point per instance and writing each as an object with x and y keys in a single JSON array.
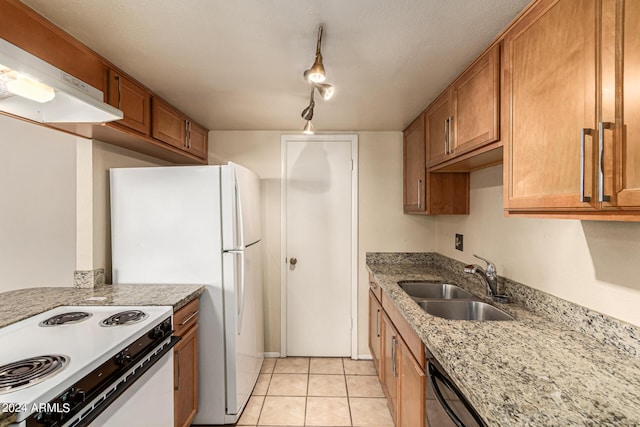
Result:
[
  {"x": 64, "y": 318},
  {"x": 84, "y": 373},
  {"x": 124, "y": 318},
  {"x": 27, "y": 372}
]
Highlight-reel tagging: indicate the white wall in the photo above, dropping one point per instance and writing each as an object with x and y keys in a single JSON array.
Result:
[
  {"x": 383, "y": 227},
  {"x": 591, "y": 263},
  {"x": 37, "y": 206}
]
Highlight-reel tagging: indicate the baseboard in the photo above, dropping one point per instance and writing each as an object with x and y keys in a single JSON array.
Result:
[
  {"x": 271, "y": 354},
  {"x": 365, "y": 357}
]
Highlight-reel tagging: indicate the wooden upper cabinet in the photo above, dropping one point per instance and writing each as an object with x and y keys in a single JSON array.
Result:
[
  {"x": 171, "y": 126},
  {"x": 430, "y": 193},
  {"x": 133, "y": 100},
  {"x": 551, "y": 80},
  {"x": 572, "y": 96},
  {"x": 197, "y": 143},
  {"x": 438, "y": 117},
  {"x": 626, "y": 154},
  {"x": 168, "y": 124},
  {"x": 475, "y": 104},
  {"x": 466, "y": 117},
  {"x": 415, "y": 167}
]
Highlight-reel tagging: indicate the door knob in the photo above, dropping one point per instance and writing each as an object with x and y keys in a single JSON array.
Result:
[{"x": 293, "y": 261}]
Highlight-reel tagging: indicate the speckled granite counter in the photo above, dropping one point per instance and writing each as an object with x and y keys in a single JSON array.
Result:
[
  {"x": 534, "y": 371},
  {"x": 24, "y": 303}
]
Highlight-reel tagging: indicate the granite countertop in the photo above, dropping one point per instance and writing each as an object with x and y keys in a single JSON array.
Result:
[
  {"x": 534, "y": 371},
  {"x": 24, "y": 303}
]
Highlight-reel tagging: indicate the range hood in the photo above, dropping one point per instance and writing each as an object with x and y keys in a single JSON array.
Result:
[{"x": 36, "y": 90}]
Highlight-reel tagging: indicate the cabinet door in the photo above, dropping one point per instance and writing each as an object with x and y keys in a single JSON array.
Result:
[
  {"x": 169, "y": 125},
  {"x": 375, "y": 333},
  {"x": 133, "y": 100},
  {"x": 411, "y": 401},
  {"x": 438, "y": 117},
  {"x": 627, "y": 178},
  {"x": 475, "y": 102},
  {"x": 415, "y": 167},
  {"x": 391, "y": 365},
  {"x": 550, "y": 80},
  {"x": 198, "y": 140},
  {"x": 186, "y": 378}
]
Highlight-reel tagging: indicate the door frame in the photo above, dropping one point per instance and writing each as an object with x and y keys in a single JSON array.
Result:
[{"x": 284, "y": 140}]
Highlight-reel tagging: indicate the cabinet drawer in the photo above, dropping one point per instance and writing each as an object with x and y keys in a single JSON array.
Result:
[
  {"x": 185, "y": 318},
  {"x": 375, "y": 288}
]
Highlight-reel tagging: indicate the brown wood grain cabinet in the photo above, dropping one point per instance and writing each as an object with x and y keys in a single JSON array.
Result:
[
  {"x": 173, "y": 127},
  {"x": 429, "y": 193},
  {"x": 411, "y": 400},
  {"x": 375, "y": 333},
  {"x": 391, "y": 365},
  {"x": 572, "y": 98},
  {"x": 185, "y": 358},
  {"x": 30, "y": 31},
  {"x": 133, "y": 100},
  {"x": 399, "y": 354},
  {"x": 465, "y": 119}
]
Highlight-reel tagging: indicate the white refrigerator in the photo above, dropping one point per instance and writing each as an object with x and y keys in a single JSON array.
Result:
[{"x": 199, "y": 225}]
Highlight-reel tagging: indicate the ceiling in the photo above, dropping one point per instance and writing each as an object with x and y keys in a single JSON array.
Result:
[{"x": 238, "y": 65}]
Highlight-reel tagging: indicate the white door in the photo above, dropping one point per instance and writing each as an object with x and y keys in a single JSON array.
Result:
[{"x": 319, "y": 245}]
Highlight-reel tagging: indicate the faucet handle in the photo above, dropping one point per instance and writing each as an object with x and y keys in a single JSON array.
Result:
[{"x": 491, "y": 268}]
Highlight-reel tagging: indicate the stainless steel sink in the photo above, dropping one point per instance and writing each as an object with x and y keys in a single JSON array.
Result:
[
  {"x": 429, "y": 290},
  {"x": 463, "y": 310}
]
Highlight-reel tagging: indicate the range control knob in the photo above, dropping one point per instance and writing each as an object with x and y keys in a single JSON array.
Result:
[
  {"x": 123, "y": 358},
  {"x": 158, "y": 332},
  {"x": 74, "y": 396}
]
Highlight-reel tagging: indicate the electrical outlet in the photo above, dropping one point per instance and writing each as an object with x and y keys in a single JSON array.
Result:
[{"x": 459, "y": 241}]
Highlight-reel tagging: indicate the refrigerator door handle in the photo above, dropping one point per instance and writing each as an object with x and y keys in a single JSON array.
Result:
[
  {"x": 239, "y": 286},
  {"x": 238, "y": 212}
]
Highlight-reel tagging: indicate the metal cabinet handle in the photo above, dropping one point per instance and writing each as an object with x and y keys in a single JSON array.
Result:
[
  {"x": 177, "y": 387},
  {"x": 119, "y": 93},
  {"x": 394, "y": 368},
  {"x": 446, "y": 136},
  {"x": 194, "y": 314},
  {"x": 583, "y": 132},
  {"x": 449, "y": 134},
  {"x": 419, "y": 194},
  {"x": 601, "y": 127},
  {"x": 378, "y": 322}
]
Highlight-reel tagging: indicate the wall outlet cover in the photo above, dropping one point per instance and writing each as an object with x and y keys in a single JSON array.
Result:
[{"x": 459, "y": 242}]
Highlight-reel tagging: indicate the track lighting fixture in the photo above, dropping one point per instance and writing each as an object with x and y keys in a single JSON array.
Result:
[{"x": 316, "y": 76}]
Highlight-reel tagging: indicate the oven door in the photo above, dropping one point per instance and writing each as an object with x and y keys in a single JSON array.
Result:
[
  {"x": 445, "y": 405},
  {"x": 148, "y": 402}
]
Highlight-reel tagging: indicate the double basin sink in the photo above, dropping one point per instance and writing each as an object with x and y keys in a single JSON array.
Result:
[{"x": 451, "y": 302}]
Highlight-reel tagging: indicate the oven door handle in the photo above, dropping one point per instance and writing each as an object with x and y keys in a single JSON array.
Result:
[{"x": 435, "y": 373}]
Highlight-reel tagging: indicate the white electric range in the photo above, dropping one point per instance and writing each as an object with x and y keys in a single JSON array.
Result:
[{"x": 88, "y": 365}]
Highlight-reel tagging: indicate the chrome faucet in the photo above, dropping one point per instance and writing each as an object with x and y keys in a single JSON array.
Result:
[{"x": 490, "y": 278}]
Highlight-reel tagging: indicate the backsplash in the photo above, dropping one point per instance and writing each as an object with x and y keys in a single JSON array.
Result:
[
  {"x": 603, "y": 328},
  {"x": 88, "y": 278}
]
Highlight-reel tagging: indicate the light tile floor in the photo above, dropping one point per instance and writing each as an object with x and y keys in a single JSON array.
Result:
[{"x": 303, "y": 391}]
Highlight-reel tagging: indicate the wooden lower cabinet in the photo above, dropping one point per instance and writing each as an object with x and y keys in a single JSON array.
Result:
[
  {"x": 375, "y": 333},
  {"x": 411, "y": 400},
  {"x": 398, "y": 353},
  {"x": 185, "y": 359},
  {"x": 390, "y": 349}
]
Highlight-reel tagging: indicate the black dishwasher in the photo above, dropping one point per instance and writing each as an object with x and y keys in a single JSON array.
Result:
[{"x": 446, "y": 406}]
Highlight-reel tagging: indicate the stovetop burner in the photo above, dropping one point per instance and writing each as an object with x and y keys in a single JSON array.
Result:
[
  {"x": 124, "y": 318},
  {"x": 64, "y": 318},
  {"x": 27, "y": 372}
]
